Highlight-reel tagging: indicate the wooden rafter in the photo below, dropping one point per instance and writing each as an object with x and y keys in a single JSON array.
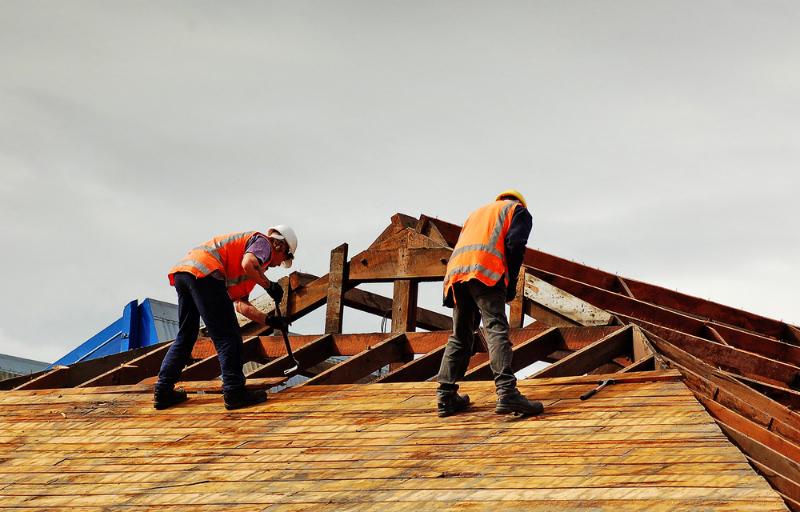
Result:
[
  {"x": 592, "y": 356},
  {"x": 395, "y": 348},
  {"x": 309, "y": 355},
  {"x": 337, "y": 284}
]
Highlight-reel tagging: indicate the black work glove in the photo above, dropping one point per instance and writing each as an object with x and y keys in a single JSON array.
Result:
[
  {"x": 511, "y": 291},
  {"x": 275, "y": 291},
  {"x": 276, "y": 322}
]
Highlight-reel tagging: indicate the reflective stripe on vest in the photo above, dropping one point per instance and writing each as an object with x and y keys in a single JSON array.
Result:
[
  {"x": 480, "y": 250},
  {"x": 221, "y": 254}
]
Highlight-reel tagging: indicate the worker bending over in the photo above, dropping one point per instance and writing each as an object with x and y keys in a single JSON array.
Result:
[
  {"x": 481, "y": 277},
  {"x": 211, "y": 280}
]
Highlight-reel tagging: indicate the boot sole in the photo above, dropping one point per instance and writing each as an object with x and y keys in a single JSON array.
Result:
[
  {"x": 519, "y": 412},
  {"x": 232, "y": 407}
]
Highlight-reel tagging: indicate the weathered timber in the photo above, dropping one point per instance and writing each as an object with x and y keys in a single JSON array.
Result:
[
  {"x": 382, "y": 306},
  {"x": 209, "y": 368},
  {"x": 516, "y": 316},
  {"x": 525, "y": 354},
  {"x": 642, "y": 291},
  {"x": 643, "y": 311},
  {"x": 719, "y": 385},
  {"x": 623, "y": 286},
  {"x": 714, "y": 334},
  {"x": 337, "y": 282},
  {"x": 85, "y": 371},
  {"x": 726, "y": 357},
  {"x": 395, "y": 348},
  {"x": 546, "y": 316},
  {"x": 308, "y": 356},
  {"x": 644, "y": 364},
  {"x": 564, "y": 304},
  {"x": 404, "y": 306},
  {"x": 591, "y": 356}
]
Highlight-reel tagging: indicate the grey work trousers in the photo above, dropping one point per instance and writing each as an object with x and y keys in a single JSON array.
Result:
[{"x": 475, "y": 300}]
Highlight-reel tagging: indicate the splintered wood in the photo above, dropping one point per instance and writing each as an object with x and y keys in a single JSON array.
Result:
[{"x": 639, "y": 444}]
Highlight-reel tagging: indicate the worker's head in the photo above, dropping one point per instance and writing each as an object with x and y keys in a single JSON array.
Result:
[
  {"x": 284, "y": 245},
  {"x": 512, "y": 194}
]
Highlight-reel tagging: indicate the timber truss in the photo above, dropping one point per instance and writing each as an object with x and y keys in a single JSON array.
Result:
[{"x": 744, "y": 368}]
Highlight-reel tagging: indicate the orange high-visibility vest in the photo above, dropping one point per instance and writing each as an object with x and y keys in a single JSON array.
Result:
[
  {"x": 480, "y": 252},
  {"x": 223, "y": 253}
]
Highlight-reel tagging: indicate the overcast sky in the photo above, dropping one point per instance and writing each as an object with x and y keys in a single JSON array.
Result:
[{"x": 659, "y": 140}]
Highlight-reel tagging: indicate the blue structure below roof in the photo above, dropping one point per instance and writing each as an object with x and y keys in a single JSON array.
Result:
[{"x": 141, "y": 325}]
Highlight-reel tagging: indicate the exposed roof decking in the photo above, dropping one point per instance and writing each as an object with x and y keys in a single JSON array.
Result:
[{"x": 378, "y": 446}]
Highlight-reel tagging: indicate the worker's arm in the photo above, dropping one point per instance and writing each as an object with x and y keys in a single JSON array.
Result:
[
  {"x": 244, "y": 307},
  {"x": 252, "y": 269},
  {"x": 515, "y": 242}
]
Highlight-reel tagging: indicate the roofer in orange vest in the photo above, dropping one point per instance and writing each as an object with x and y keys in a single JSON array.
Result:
[
  {"x": 213, "y": 281},
  {"x": 481, "y": 277}
]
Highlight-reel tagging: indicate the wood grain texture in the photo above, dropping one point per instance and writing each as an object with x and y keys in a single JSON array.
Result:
[{"x": 644, "y": 443}]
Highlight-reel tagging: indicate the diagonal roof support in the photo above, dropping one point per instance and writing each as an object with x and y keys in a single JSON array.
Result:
[
  {"x": 86, "y": 371},
  {"x": 526, "y": 353},
  {"x": 395, "y": 348},
  {"x": 592, "y": 356},
  {"x": 621, "y": 305},
  {"x": 308, "y": 355},
  {"x": 732, "y": 359},
  {"x": 337, "y": 283},
  {"x": 209, "y": 368}
]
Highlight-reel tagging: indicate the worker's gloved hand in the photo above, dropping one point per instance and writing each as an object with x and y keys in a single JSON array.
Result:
[
  {"x": 279, "y": 323},
  {"x": 275, "y": 291}
]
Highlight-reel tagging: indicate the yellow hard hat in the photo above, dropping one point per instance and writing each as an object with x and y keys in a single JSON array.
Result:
[{"x": 513, "y": 193}]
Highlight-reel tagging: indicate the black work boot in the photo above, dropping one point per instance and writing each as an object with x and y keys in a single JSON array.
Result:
[
  {"x": 517, "y": 403},
  {"x": 239, "y": 398},
  {"x": 167, "y": 398},
  {"x": 451, "y": 403}
]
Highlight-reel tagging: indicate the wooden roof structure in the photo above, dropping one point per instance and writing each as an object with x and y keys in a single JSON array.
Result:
[{"x": 680, "y": 361}]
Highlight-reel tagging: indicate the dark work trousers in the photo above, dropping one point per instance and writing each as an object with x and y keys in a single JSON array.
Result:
[
  {"x": 208, "y": 298},
  {"x": 475, "y": 300}
]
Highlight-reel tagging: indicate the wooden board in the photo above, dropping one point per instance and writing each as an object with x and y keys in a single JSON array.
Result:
[{"x": 643, "y": 443}]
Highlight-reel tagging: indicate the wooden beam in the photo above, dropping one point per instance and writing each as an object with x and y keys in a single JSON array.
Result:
[
  {"x": 308, "y": 356},
  {"x": 623, "y": 306},
  {"x": 714, "y": 334},
  {"x": 641, "y": 346},
  {"x": 704, "y": 379},
  {"x": 564, "y": 304},
  {"x": 382, "y": 306},
  {"x": 728, "y": 358},
  {"x": 765, "y": 455},
  {"x": 516, "y": 315},
  {"x": 647, "y": 363},
  {"x": 780, "y": 483},
  {"x": 525, "y": 354},
  {"x": 209, "y": 368},
  {"x": 546, "y": 316},
  {"x": 404, "y": 306},
  {"x": 337, "y": 282},
  {"x": 398, "y": 223},
  {"x": 591, "y": 356},
  {"x": 792, "y": 334},
  {"x": 85, "y": 371},
  {"x": 624, "y": 287},
  {"x": 788, "y": 397},
  {"x": 395, "y": 348},
  {"x": 427, "y": 264},
  {"x": 643, "y": 291}
]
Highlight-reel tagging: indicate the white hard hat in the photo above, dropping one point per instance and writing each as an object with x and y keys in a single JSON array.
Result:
[{"x": 284, "y": 232}]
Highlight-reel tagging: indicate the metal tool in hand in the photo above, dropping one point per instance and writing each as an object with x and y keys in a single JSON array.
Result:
[
  {"x": 601, "y": 385},
  {"x": 286, "y": 342}
]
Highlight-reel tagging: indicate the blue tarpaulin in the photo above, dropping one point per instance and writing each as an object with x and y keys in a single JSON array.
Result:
[{"x": 141, "y": 325}]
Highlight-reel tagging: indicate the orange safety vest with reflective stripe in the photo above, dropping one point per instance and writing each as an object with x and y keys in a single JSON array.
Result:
[
  {"x": 224, "y": 254},
  {"x": 480, "y": 252}
]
